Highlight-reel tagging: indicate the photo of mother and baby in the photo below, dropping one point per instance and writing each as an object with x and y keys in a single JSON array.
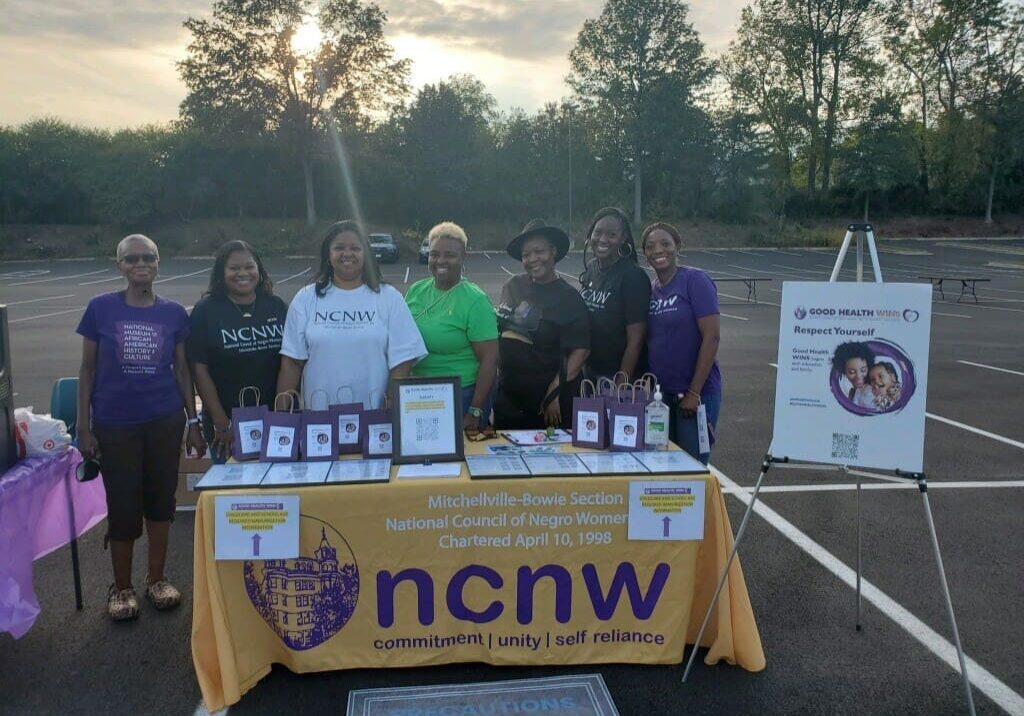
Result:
[{"x": 868, "y": 381}]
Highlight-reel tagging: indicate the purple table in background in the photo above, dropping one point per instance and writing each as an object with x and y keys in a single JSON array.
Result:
[{"x": 42, "y": 508}]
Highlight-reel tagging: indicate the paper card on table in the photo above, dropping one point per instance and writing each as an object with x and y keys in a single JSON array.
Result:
[
  {"x": 296, "y": 473},
  {"x": 243, "y": 474},
  {"x": 625, "y": 431},
  {"x": 320, "y": 442},
  {"x": 559, "y": 464},
  {"x": 612, "y": 463},
  {"x": 379, "y": 439},
  {"x": 496, "y": 466},
  {"x": 280, "y": 442},
  {"x": 522, "y": 450},
  {"x": 666, "y": 510},
  {"x": 537, "y": 437},
  {"x": 356, "y": 471},
  {"x": 437, "y": 469},
  {"x": 250, "y": 433},
  {"x": 670, "y": 462},
  {"x": 255, "y": 527},
  {"x": 348, "y": 428}
]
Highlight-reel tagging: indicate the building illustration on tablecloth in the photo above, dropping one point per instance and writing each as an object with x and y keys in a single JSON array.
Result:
[{"x": 306, "y": 600}]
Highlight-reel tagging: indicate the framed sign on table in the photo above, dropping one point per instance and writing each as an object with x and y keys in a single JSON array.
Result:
[{"x": 427, "y": 420}]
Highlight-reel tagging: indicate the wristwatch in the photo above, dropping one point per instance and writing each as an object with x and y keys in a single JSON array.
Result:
[
  {"x": 192, "y": 421},
  {"x": 475, "y": 412}
]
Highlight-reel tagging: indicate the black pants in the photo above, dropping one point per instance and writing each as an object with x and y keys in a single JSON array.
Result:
[{"x": 139, "y": 464}]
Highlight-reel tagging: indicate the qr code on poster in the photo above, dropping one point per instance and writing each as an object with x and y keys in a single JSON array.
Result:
[
  {"x": 428, "y": 429},
  {"x": 845, "y": 447}
]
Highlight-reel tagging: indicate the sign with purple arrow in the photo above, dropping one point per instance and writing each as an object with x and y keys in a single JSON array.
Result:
[
  {"x": 256, "y": 526},
  {"x": 666, "y": 510}
]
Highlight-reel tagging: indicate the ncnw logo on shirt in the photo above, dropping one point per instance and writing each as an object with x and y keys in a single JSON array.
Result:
[
  {"x": 344, "y": 316},
  {"x": 661, "y": 305},
  {"x": 595, "y": 298},
  {"x": 248, "y": 334}
]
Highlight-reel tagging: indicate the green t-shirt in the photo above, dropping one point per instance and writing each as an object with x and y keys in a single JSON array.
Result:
[{"x": 449, "y": 322}]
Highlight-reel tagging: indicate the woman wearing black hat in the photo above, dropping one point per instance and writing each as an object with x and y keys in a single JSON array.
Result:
[{"x": 545, "y": 335}]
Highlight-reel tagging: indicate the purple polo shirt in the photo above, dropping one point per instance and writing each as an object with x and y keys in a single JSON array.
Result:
[
  {"x": 134, "y": 358},
  {"x": 673, "y": 338}
]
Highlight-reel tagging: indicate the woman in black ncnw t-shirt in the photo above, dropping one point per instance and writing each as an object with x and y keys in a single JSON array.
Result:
[
  {"x": 236, "y": 340},
  {"x": 618, "y": 295}
]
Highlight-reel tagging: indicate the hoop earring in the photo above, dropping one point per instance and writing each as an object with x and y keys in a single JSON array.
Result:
[{"x": 624, "y": 255}]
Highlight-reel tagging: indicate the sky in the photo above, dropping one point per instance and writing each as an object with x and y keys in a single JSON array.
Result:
[{"x": 110, "y": 63}]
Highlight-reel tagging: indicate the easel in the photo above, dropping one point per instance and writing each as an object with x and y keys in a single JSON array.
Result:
[{"x": 864, "y": 233}]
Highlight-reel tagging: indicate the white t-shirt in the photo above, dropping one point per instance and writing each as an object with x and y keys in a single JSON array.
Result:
[{"x": 350, "y": 339}]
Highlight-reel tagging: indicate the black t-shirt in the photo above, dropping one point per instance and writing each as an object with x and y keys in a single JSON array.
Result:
[
  {"x": 238, "y": 351},
  {"x": 554, "y": 319},
  {"x": 615, "y": 298}
]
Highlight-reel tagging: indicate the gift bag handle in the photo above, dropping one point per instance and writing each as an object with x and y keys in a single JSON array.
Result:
[
  {"x": 245, "y": 391},
  {"x": 291, "y": 395},
  {"x": 351, "y": 394},
  {"x": 583, "y": 388},
  {"x": 610, "y": 383},
  {"x": 632, "y": 390},
  {"x": 648, "y": 381},
  {"x": 327, "y": 398}
]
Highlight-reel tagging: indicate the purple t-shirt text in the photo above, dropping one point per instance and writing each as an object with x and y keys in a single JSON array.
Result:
[
  {"x": 134, "y": 358},
  {"x": 673, "y": 337}
]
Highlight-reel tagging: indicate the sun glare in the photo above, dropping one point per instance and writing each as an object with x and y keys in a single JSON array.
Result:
[{"x": 307, "y": 37}]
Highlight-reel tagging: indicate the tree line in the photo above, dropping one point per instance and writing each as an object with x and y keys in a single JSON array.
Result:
[{"x": 818, "y": 108}]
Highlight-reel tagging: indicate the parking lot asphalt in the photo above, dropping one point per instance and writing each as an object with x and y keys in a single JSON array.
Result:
[{"x": 796, "y": 553}]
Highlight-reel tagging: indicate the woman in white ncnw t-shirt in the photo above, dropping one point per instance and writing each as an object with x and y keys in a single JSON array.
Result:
[{"x": 348, "y": 331}]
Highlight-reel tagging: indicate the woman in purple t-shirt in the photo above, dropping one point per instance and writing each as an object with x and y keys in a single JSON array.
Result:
[
  {"x": 134, "y": 392},
  {"x": 682, "y": 338}
]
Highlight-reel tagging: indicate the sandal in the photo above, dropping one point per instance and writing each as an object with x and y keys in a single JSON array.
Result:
[
  {"x": 122, "y": 604},
  {"x": 163, "y": 594}
]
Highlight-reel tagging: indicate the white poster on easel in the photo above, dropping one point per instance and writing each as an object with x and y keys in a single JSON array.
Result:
[{"x": 853, "y": 374}]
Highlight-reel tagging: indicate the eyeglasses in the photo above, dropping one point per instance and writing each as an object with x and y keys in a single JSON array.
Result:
[{"x": 133, "y": 259}]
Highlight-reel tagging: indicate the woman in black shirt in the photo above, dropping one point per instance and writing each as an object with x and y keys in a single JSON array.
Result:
[
  {"x": 545, "y": 335},
  {"x": 236, "y": 340},
  {"x": 617, "y": 293}
]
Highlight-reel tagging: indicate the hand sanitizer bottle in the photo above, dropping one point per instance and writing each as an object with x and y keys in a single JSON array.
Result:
[{"x": 656, "y": 423}]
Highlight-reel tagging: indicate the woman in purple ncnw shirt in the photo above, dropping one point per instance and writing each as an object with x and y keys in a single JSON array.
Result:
[
  {"x": 682, "y": 338},
  {"x": 134, "y": 392}
]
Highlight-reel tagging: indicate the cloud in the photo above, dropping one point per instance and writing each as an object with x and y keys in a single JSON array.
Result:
[
  {"x": 532, "y": 30},
  {"x": 100, "y": 22}
]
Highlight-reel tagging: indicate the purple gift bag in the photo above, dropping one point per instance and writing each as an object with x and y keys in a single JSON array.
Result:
[
  {"x": 589, "y": 420},
  {"x": 376, "y": 433},
  {"x": 346, "y": 418},
  {"x": 318, "y": 436},
  {"x": 247, "y": 424},
  {"x": 281, "y": 431},
  {"x": 626, "y": 420}
]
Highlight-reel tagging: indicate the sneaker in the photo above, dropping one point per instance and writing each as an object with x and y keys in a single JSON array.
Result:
[
  {"x": 122, "y": 604},
  {"x": 163, "y": 594}
]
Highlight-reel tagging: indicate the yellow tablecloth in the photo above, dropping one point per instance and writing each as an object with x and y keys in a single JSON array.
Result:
[{"x": 423, "y": 572}]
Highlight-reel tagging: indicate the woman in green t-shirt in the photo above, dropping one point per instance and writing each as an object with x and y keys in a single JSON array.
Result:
[{"x": 458, "y": 325}]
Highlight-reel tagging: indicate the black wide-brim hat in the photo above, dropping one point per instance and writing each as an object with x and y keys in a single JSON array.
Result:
[{"x": 538, "y": 227}]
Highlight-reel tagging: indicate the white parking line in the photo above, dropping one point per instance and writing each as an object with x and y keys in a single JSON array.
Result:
[
  {"x": 407, "y": 269},
  {"x": 950, "y": 315},
  {"x": 747, "y": 300},
  {"x": 102, "y": 280},
  {"x": 977, "y": 431},
  {"x": 507, "y": 271},
  {"x": 967, "y": 362},
  {"x": 738, "y": 318},
  {"x": 294, "y": 275},
  {"x": 184, "y": 275},
  {"x": 60, "y": 278},
  {"x": 487, "y": 256},
  {"x": 37, "y": 300},
  {"x": 46, "y": 315},
  {"x": 982, "y": 679},
  {"x": 845, "y": 487}
]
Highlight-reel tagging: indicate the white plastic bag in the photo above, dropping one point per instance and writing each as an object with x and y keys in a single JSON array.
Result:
[{"x": 39, "y": 435}]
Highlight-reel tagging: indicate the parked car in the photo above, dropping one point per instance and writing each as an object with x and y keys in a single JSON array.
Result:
[
  {"x": 385, "y": 248},
  {"x": 424, "y": 251}
]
